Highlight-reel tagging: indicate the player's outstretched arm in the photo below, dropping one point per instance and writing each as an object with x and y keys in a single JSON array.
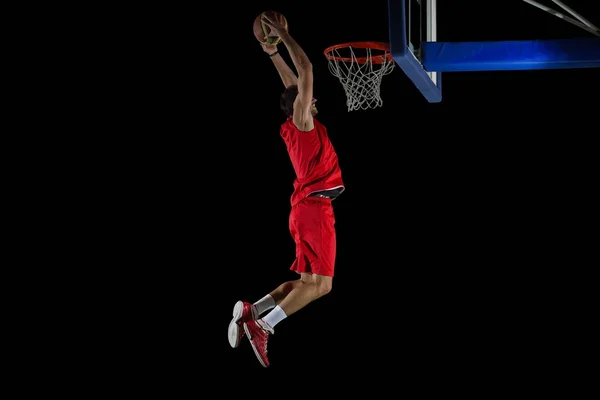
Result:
[
  {"x": 302, "y": 115},
  {"x": 288, "y": 77}
]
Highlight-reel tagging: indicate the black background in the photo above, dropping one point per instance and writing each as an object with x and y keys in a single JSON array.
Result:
[{"x": 455, "y": 227}]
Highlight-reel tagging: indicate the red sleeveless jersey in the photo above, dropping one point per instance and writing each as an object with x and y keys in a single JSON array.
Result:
[{"x": 314, "y": 160}]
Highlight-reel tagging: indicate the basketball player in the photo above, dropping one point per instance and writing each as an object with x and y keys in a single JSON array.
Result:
[{"x": 318, "y": 182}]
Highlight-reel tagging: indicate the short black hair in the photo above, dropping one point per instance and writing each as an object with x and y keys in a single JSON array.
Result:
[{"x": 286, "y": 102}]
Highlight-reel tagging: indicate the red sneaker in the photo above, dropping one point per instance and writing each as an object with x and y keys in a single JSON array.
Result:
[
  {"x": 242, "y": 312},
  {"x": 258, "y": 332}
]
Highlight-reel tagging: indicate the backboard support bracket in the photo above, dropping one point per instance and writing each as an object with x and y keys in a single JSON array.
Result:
[{"x": 428, "y": 83}]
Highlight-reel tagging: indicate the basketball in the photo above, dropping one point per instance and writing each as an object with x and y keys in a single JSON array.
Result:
[{"x": 261, "y": 30}]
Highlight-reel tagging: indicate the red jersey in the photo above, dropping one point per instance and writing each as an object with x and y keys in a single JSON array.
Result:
[{"x": 314, "y": 160}]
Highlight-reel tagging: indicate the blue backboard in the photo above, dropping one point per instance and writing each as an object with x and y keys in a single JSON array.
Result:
[{"x": 415, "y": 47}]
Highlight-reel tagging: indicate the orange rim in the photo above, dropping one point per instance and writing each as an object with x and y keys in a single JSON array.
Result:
[{"x": 379, "y": 59}]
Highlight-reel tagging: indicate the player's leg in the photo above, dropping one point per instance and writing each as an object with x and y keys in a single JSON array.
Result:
[{"x": 312, "y": 225}]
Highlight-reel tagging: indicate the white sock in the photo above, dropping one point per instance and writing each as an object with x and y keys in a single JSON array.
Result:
[
  {"x": 264, "y": 304},
  {"x": 275, "y": 317}
]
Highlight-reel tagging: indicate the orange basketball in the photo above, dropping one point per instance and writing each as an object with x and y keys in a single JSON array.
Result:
[{"x": 261, "y": 30}]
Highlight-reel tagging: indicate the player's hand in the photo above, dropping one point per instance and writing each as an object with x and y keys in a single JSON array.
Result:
[
  {"x": 269, "y": 49},
  {"x": 276, "y": 26}
]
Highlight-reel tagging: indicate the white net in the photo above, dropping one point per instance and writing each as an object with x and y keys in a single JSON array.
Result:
[{"x": 360, "y": 76}]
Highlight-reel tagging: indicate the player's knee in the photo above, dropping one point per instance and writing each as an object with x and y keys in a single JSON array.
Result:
[{"x": 324, "y": 287}]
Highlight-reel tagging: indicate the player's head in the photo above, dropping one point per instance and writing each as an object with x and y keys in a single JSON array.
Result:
[{"x": 287, "y": 101}]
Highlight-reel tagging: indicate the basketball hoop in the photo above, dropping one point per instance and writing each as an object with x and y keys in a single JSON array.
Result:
[{"x": 360, "y": 67}]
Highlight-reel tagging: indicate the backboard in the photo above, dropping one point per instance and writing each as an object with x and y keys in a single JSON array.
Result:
[{"x": 414, "y": 46}]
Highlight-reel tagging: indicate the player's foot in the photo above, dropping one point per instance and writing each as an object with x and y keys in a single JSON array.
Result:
[
  {"x": 258, "y": 332},
  {"x": 242, "y": 312}
]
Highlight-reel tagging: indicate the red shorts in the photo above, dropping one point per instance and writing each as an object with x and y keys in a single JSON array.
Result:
[{"x": 312, "y": 227}]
